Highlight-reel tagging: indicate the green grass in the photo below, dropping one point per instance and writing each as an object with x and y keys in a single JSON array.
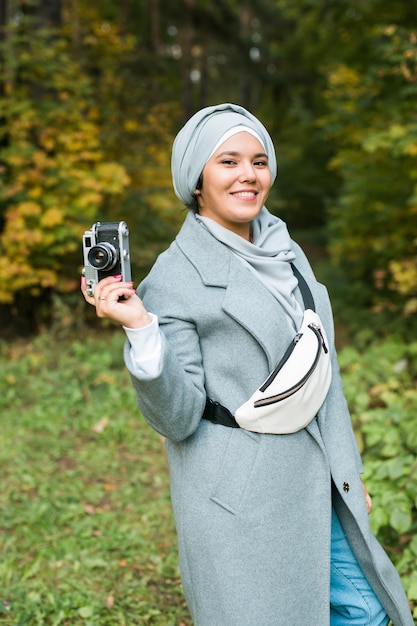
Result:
[{"x": 86, "y": 529}]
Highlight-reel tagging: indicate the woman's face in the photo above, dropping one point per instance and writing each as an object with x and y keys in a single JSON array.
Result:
[{"x": 236, "y": 183}]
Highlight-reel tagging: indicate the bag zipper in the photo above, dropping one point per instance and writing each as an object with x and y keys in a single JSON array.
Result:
[
  {"x": 318, "y": 329},
  {"x": 289, "y": 392}
]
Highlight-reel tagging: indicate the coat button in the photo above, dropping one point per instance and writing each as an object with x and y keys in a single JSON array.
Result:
[{"x": 346, "y": 487}]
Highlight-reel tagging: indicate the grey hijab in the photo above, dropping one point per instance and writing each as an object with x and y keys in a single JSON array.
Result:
[
  {"x": 270, "y": 253},
  {"x": 269, "y": 257},
  {"x": 196, "y": 140}
]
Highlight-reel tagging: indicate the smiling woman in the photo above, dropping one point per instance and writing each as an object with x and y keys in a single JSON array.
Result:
[
  {"x": 235, "y": 183},
  {"x": 217, "y": 313}
]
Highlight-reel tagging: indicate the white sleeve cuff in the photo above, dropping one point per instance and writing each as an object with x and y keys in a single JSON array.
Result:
[{"x": 146, "y": 348}]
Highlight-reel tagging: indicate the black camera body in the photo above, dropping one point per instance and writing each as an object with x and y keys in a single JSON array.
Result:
[{"x": 106, "y": 253}]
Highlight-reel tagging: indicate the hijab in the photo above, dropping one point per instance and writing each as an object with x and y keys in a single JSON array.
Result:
[
  {"x": 269, "y": 254},
  {"x": 197, "y": 140}
]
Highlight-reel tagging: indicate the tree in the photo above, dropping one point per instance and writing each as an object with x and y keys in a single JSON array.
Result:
[
  {"x": 372, "y": 118},
  {"x": 53, "y": 173}
]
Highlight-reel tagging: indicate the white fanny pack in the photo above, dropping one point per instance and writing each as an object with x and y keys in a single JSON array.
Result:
[{"x": 294, "y": 391}]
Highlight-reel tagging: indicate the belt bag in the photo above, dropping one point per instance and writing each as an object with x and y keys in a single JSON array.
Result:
[{"x": 295, "y": 390}]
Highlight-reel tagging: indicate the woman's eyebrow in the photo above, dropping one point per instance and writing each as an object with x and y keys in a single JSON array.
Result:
[{"x": 234, "y": 153}]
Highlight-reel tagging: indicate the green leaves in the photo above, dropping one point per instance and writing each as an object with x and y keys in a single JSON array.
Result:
[
  {"x": 372, "y": 223},
  {"x": 380, "y": 385}
]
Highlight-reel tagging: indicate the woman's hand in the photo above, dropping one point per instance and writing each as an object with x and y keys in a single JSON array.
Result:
[
  {"x": 129, "y": 311},
  {"x": 368, "y": 499}
]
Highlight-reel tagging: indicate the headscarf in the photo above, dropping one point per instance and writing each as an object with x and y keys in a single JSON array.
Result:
[
  {"x": 270, "y": 254},
  {"x": 197, "y": 139},
  {"x": 269, "y": 257}
]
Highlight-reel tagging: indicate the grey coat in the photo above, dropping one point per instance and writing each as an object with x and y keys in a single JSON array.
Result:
[{"x": 252, "y": 511}]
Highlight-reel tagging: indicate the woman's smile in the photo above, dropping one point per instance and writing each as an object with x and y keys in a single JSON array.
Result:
[
  {"x": 235, "y": 184},
  {"x": 244, "y": 195}
]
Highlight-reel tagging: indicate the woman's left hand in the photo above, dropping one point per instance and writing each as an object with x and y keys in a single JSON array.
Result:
[{"x": 368, "y": 499}]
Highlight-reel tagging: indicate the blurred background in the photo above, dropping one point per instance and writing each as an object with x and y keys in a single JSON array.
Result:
[{"x": 92, "y": 94}]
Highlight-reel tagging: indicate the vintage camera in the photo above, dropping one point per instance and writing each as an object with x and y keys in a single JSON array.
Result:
[{"x": 106, "y": 253}]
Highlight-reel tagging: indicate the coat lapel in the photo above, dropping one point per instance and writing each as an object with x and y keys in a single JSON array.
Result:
[{"x": 246, "y": 299}]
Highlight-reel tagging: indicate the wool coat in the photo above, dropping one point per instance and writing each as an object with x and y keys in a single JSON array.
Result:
[{"x": 252, "y": 511}]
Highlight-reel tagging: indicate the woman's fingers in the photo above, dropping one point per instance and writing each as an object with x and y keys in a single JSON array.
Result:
[
  {"x": 111, "y": 290},
  {"x": 103, "y": 288},
  {"x": 368, "y": 499},
  {"x": 118, "y": 301}
]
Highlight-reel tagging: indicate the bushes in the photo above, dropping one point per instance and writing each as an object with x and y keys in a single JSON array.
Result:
[
  {"x": 54, "y": 176},
  {"x": 372, "y": 224},
  {"x": 380, "y": 385}
]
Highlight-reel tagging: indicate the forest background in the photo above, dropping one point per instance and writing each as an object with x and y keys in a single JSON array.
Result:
[{"x": 91, "y": 97}]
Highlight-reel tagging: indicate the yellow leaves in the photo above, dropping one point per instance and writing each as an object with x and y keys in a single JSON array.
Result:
[
  {"x": 404, "y": 281},
  {"x": 396, "y": 131},
  {"x": 88, "y": 200},
  {"x": 104, "y": 378},
  {"x": 404, "y": 276},
  {"x": 396, "y": 139},
  {"x": 35, "y": 192},
  {"x": 411, "y": 148},
  {"x": 131, "y": 126},
  {"x": 17, "y": 160},
  {"x": 54, "y": 174},
  {"x": 22, "y": 276},
  {"x": 52, "y": 217},
  {"x": 28, "y": 209},
  {"x": 344, "y": 76},
  {"x": 113, "y": 177},
  {"x": 47, "y": 139}
]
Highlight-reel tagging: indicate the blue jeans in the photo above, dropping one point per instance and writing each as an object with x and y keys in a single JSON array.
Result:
[{"x": 352, "y": 600}]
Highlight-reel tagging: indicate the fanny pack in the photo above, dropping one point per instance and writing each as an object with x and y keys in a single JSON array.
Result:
[{"x": 294, "y": 391}]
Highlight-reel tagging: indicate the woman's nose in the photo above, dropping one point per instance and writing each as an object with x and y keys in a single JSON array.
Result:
[{"x": 248, "y": 173}]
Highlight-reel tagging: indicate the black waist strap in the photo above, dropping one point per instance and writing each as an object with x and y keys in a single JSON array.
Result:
[{"x": 218, "y": 414}]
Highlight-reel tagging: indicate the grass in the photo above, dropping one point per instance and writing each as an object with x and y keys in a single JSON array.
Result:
[{"x": 86, "y": 529}]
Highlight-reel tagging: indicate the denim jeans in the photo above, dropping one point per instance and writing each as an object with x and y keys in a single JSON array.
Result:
[{"x": 352, "y": 600}]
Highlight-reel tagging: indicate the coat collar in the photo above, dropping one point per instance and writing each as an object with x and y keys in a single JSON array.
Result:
[{"x": 246, "y": 299}]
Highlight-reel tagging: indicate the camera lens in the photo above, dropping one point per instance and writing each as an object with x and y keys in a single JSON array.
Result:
[{"x": 103, "y": 256}]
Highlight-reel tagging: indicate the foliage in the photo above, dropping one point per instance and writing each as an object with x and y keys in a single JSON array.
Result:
[
  {"x": 88, "y": 114},
  {"x": 86, "y": 529},
  {"x": 135, "y": 118},
  {"x": 372, "y": 225},
  {"x": 380, "y": 385},
  {"x": 55, "y": 178}
]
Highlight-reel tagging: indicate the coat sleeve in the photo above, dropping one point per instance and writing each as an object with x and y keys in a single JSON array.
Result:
[{"x": 172, "y": 402}]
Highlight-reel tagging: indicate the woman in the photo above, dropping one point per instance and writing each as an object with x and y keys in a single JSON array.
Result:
[{"x": 273, "y": 529}]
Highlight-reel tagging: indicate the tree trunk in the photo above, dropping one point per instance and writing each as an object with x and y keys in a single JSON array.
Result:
[
  {"x": 188, "y": 40},
  {"x": 245, "y": 81},
  {"x": 154, "y": 16},
  {"x": 7, "y": 9}
]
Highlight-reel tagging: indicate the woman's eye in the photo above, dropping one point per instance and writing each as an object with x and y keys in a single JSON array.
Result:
[
  {"x": 261, "y": 163},
  {"x": 229, "y": 162}
]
